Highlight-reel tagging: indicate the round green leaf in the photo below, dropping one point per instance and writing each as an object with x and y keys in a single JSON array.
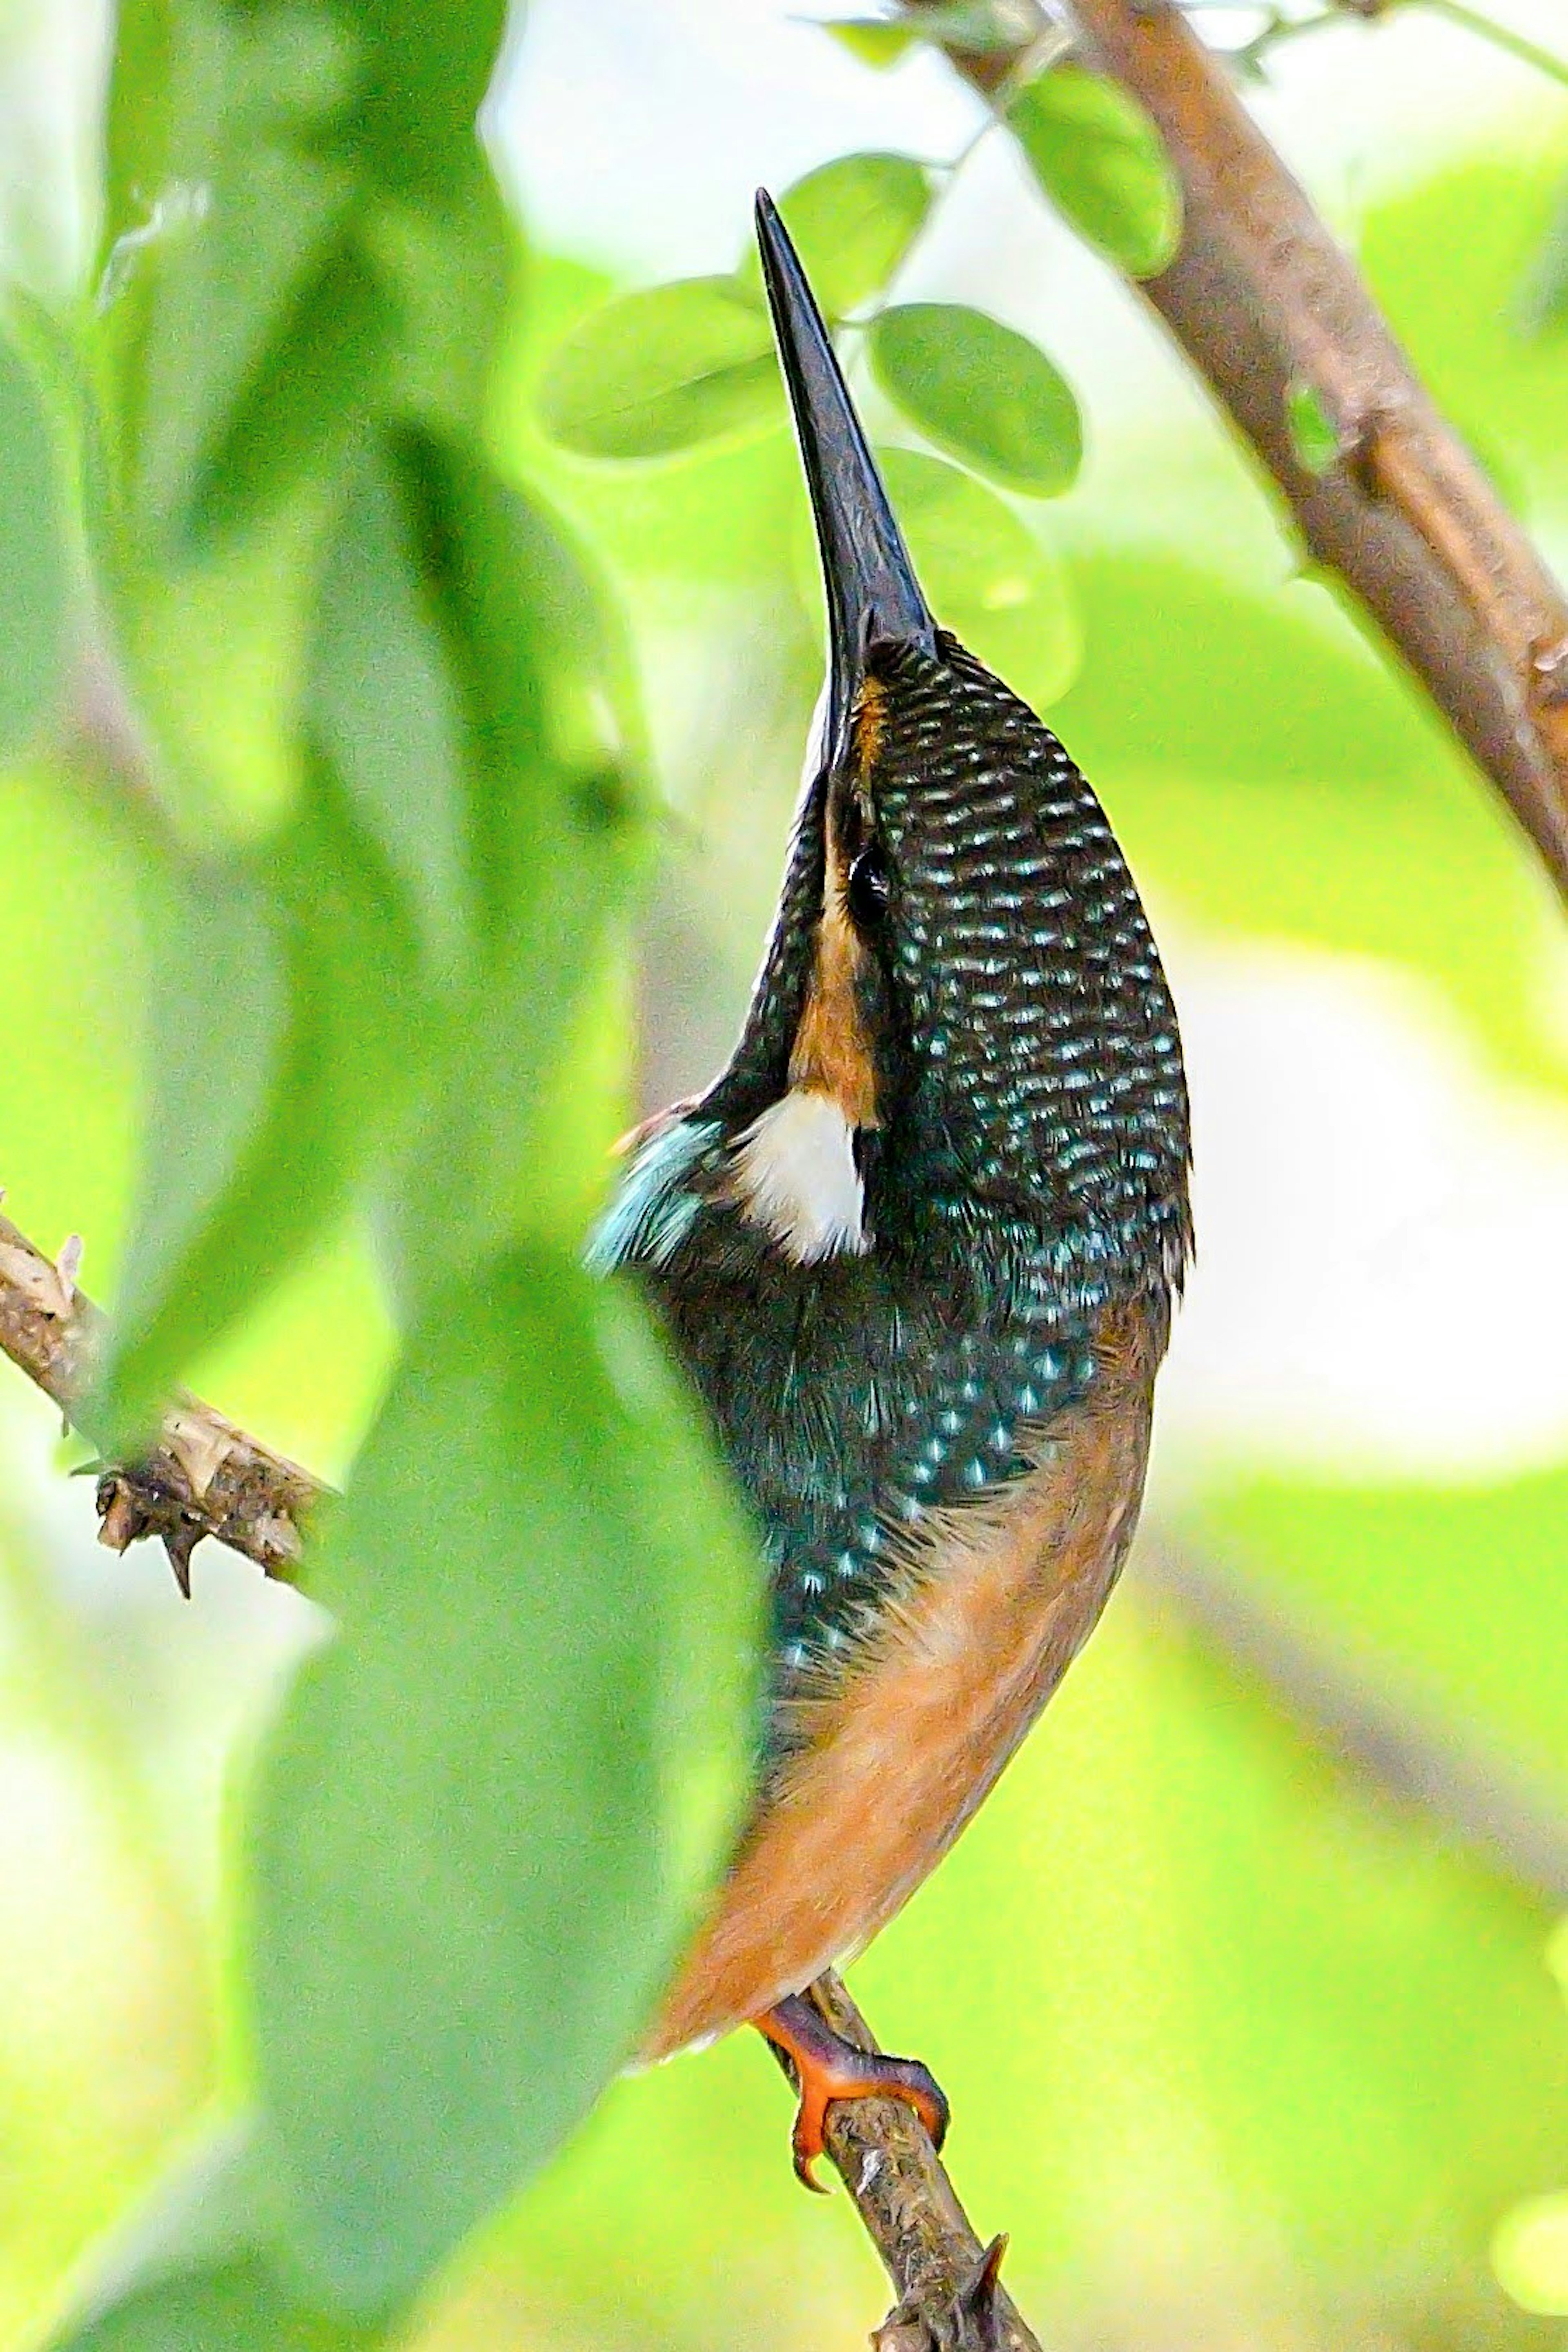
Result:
[
  {"x": 981, "y": 392},
  {"x": 1101, "y": 160},
  {"x": 661, "y": 370},
  {"x": 31, "y": 557},
  {"x": 852, "y": 221},
  {"x": 986, "y": 574}
]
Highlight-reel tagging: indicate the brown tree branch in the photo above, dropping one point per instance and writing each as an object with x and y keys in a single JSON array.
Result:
[
  {"x": 202, "y": 1478},
  {"x": 1262, "y": 300},
  {"x": 951, "y": 2298}
]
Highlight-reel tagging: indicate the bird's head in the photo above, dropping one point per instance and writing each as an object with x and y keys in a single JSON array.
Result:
[{"x": 961, "y": 1039}]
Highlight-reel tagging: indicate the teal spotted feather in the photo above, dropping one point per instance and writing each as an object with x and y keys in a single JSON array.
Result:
[{"x": 1028, "y": 1169}]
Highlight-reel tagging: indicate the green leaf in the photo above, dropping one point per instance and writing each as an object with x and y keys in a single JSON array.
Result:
[
  {"x": 313, "y": 236},
  {"x": 545, "y": 1590},
  {"x": 880, "y": 41},
  {"x": 189, "y": 2272},
  {"x": 1101, "y": 160},
  {"x": 445, "y": 274},
  {"x": 217, "y": 1036},
  {"x": 722, "y": 513},
  {"x": 230, "y": 275},
  {"x": 661, "y": 370},
  {"x": 288, "y": 1040},
  {"x": 227, "y": 733},
  {"x": 222, "y": 207},
  {"x": 33, "y": 572},
  {"x": 138, "y": 115},
  {"x": 988, "y": 578},
  {"x": 981, "y": 392},
  {"x": 304, "y": 405},
  {"x": 875, "y": 41},
  {"x": 483, "y": 1154},
  {"x": 237, "y": 2306},
  {"x": 546, "y": 678},
  {"x": 556, "y": 839},
  {"x": 853, "y": 221},
  {"x": 384, "y": 705},
  {"x": 425, "y": 79},
  {"x": 1315, "y": 442}
]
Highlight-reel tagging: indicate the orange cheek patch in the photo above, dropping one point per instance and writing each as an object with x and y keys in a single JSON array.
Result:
[
  {"x": 869, "y": 725},
  {"x": 832, "y": 1047},
  {"x": 832, "y": 1050}
]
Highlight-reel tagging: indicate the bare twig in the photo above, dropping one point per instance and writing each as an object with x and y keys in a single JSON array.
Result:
[
  {"x": 203, "y": 1477},
  {"x": 1376, "y": 1720},
  {"x": 1502, "y": 36},
  {"x": 1264, "y": 303},
  {"x": 951, "y": 2298}
]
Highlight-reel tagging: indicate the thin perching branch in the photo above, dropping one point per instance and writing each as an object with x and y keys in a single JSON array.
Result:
[
  {"x": 202, "y": 1478},
  {"x": 950, "y": 2297},
  {"x": 1268, "y": 307}
]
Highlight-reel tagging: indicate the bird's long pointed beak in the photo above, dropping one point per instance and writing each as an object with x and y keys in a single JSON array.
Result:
[{"x": 873, "y": 595}]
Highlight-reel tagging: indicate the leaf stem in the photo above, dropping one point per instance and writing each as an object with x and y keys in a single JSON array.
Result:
[
  {"x": 1502, "y": 37},
  {"x": 949, "y": 167},
  {"x": 1249, "y": 57}
]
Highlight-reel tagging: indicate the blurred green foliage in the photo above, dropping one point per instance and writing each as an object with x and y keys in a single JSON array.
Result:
[
  {"x": 32, "y": 555},
  {"x": 1241, "y": 2053},
  {"x": 360, "y": 987}
]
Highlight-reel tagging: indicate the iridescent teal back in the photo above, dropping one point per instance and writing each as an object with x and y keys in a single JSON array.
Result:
[{"x": 1028, "y": 1165}]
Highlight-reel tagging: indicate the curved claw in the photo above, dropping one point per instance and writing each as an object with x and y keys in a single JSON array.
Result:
[{"x": 827, "y": 2068}]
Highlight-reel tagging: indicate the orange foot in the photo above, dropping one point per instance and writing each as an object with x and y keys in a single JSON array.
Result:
[{"x": 826, "y": 2068}]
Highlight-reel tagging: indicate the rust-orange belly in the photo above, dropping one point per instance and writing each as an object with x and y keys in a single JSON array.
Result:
[{"x": 889, "y": 1760}]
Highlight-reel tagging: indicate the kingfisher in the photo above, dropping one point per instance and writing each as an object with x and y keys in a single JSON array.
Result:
[{"x": 916, "y": 1247}]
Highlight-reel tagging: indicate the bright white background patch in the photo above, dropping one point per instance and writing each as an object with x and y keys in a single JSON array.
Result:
[
  {"x": 795, "y": 1174},
  {"x": 1382, "y": 1274}
]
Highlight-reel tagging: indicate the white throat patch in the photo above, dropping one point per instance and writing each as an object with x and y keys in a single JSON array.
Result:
[{"x": 795, "y": 1173}]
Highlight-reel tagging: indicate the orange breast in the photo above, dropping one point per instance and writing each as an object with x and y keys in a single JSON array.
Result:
[{"x": 890, "y": 1758}]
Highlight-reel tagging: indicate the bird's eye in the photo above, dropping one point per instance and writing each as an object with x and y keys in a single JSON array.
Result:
[{"x": 866, "y": 889}]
